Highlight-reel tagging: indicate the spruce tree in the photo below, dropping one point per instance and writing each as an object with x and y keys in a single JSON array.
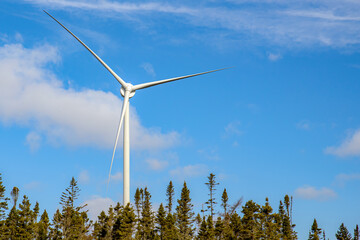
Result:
[
  {"x": 343, "y": 233},
  {"x": 146, "y": 225},
  {"x": 3, "y": 207},
  {"x": 315, "y": 231},
  {"x": 101, "y": 227},
  {"x": 212, "y": 188},
  {"x": 43, "y": 227},
  {"x": 170, "y": 196},
  {"x": 268, "y": 223},
  {"x": 137, "y": 199},
  {"x": 14, "y": 195},
  {"x": 224, "y": 202},
  {"x": 203, "y": 233},
  {"x": 219, "y": 228},
  {"x": 210, "y": 228},
  {"x": 250, "y": 221},
  {"x": 235, "y": 226},
  {"x": 26, "y": 219},
  {"x": 125, "y": 223},
  {"x": 161, "y": 221},
  {"x": 3, "y": 201},
  {"x": 170, "y": 231},
  {"x": 356, "y": 233},
  {"x": 55, "y": 230},
  {"x": 11, "y": 228},
  {"x": 185, "y": 215}
]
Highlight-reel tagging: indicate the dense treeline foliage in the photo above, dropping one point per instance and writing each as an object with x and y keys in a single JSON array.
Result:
[{"x": 174, "y": 220}]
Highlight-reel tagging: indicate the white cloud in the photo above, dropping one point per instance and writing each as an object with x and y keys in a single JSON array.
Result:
[
  {"x": 97, "y": 204},
  {"x": 233, "y": 128},
  {"x": 190, "y": 171},
  {"x": 305, "y": 125},
  {"x": 341, "y": 179},
  {"x": 349, "y": 147},
  {"x": 290, "y": 23},
  {"x": 84, "y": 177},
  {"x": 33, "y": 139},
  {"x": 32, "y": 96},
  {"x": 274, "y": 57},
  {"x": 155, "y": 164},
  {"x": 311, "y": 193},
  {"x": 117, "y": 177},
  {"x": 148, "y": 67}
]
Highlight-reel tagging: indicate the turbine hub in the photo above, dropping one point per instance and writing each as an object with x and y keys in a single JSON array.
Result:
[{"x": 127, "y": 88}]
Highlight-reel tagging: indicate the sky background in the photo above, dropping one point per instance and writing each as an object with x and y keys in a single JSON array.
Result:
[{"x": 284, "y": 120}]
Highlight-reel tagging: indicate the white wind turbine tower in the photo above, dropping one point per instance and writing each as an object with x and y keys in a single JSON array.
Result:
[{"x": 127, "y": 91}]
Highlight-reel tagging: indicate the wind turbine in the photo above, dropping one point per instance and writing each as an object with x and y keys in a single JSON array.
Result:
[{"x": 127, "y": 91}]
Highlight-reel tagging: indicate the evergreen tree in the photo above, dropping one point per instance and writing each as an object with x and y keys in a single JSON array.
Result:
[
  {"x": 343, "y": 233},
  {"x": 26, "y": 220},
  {"x": 235, "y": 226},
  {"x": 146, "y": 225},
  {"x": 250, "y": 221},
  {"x": 202, "y": 234},
  {"x": 268, "y": 223},
  {"x": 210, "y": 228},
  {"x": 101, "y": 227},
  {"x": 219, "y": 229},
  {"x": 212, "y": 188},
  {"x": 3, "y": 201},
  {"x": 74, "y": 222},
  {"x": 137, "y": 199},
  {"x": 161, "y": 221},
  {"x": 3, "y": 207},
  {"x": 124, "y": 224},
  {"x": 315, "y": 231},
  {"x": 224, "y": 202},
  {"x": 170, "y": 231},
  {"x": 15, "y": 195},
  {"x": 11, "y": 228},
  {"x": 43, "y": 227},
  {"x": 55, "y": 231},
  {"x": 356, "y": 233},
  {"x": 184, "y": 215},
  {"x": 170, "y": 196}
]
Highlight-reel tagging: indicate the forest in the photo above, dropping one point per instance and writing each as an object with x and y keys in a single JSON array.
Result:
[{"x": 175, "y": 219}]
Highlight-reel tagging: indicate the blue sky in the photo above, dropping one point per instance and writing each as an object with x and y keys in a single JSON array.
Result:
[{"x": 285, "y": 120}]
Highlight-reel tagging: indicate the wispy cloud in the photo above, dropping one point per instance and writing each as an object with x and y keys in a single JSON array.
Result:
[
  {"x": 304, "y": 125},
  {"x": 155, "y": 164},
  {"x": 148, "y": 67},
  {"x": 189, "y": 171},
  {"x": 116, "y": 177},
  {"x": 233, "y": 128},
  {"x": 84, "y": 177},
  {"x": 349, "y": 147},
  {"x": 34, "y": 185},
  {"x": 287, "y": 23},
  {"x": 31, "y": 95},
  {"x": 274, "y": 57},
  {"x": 343, "y": 178},
  {"x": 33, "y": 139},
  {"x": 311, "y": 193}
]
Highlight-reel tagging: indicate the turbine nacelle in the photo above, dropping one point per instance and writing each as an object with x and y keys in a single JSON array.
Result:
[{"x": 128, "y": 88}]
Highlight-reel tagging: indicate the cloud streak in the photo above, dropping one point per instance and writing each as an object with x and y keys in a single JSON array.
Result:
[
  {"x": 291, "y": 24},
  {"x": 33, "y": 97},
  {"x": 349, "y": 147},
  {"x": 311, "y": 193}
]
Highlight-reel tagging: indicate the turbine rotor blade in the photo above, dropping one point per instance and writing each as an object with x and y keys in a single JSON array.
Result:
[
  {"x": 119, "y": 79},
  {"x": 125, "y": 103},
  {"x": 150, "y": 84}
]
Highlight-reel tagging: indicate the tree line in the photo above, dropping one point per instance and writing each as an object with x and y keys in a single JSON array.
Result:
[{"x": 173, "y": 220}]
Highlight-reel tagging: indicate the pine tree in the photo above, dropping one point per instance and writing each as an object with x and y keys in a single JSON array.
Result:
[
  {"x": 146, "y": 225},
  {"x": 250, "y": 221},
  {"x": 268, "y": 223},
  {"x": 219, "y": 228},
  {"x": 3, "y": 207},
  {"x": 26, "y": 222},
  {"x": 161, "y": 221},
  {"x": 203, "y": 234},
  {"x": 124, "y": 224},
  {"x": 356, "y": 233},
  {"x": 15, "y": 195},
  {"x": 210, "y": 228},
  {"x": 12, "y": 222},
  {"x": 184, "y": 215},
  {"x": 3, "y": 201},
  {"x": 101, "y": 227},
  {"x": 137, "y": 199},
  {"x": 235, "y": 226},
  {"x": 315, "y": 231},
  {"x": 55, "y": 230},
  {"x": 224, "y": 202},
  {"x": 43, "y": 227},
  {"x": 170, "y": 196},
  {"x": 74, "y": 221},
  {"x": 343, "y": 233},
  {"x": 170, "y": 231},
  {"x": 212, "y": 188}
]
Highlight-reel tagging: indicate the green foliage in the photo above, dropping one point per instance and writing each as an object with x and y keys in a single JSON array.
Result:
[
  {"x": 343, "y": 233},
  {"x": 356, "y": 233},
  {"x": 250, "y": 221},
  {"x": 3, "y": 202},
  {"x": 185, "y": 215},
  {"x": 124, "y": 224},
  {"x": 161, "y": 221},
  {"x": 315, "y": 231},
  {"x": 211, "y": 184},
  {"x": 15, "y": 195},
  {"x": 170, "y": 196},
  {"x": 43, "y": 227},
  {"x": 146, "y": 224}
]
